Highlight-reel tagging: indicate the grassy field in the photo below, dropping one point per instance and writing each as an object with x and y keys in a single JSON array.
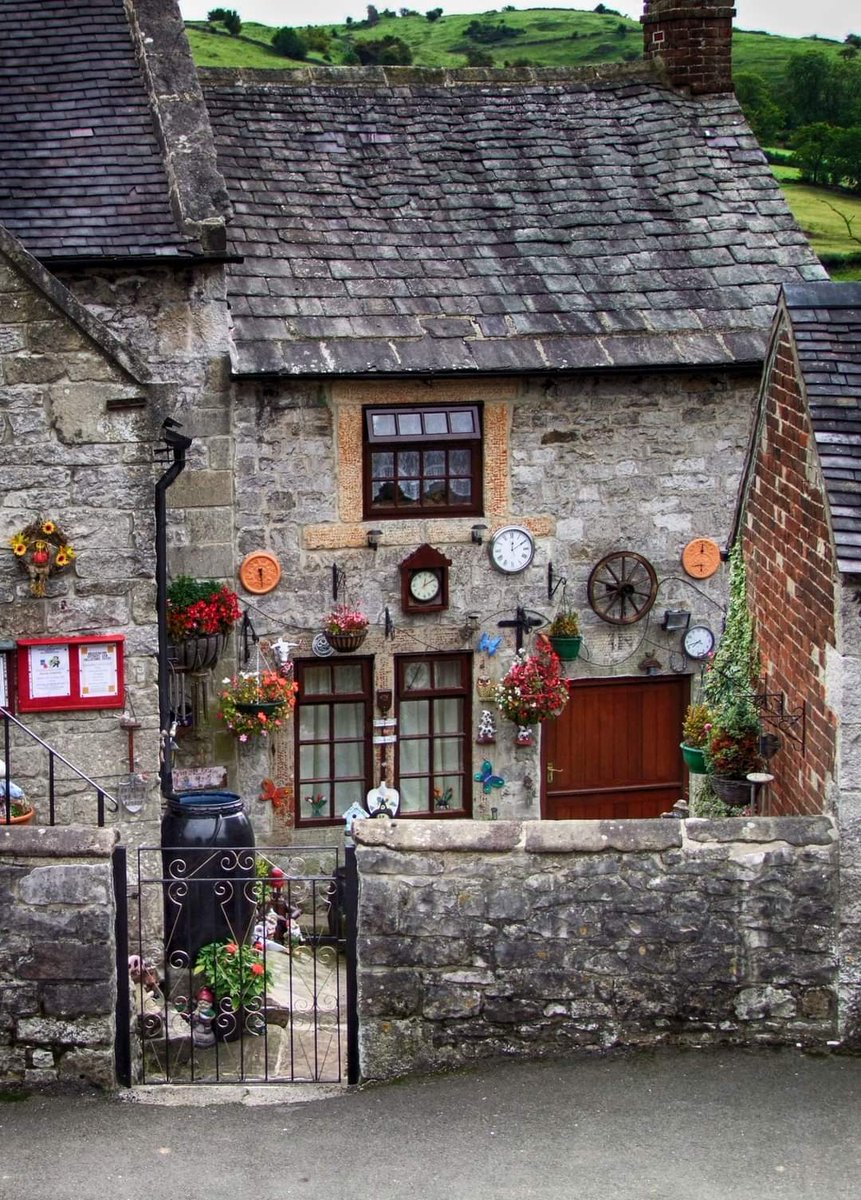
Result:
[
  {"x": 829, "y": 219},
  {"x": 550, "y": 37}
]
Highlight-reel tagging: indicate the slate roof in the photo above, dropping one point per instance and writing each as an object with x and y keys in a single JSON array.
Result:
[
  {"x": 81, "y": 172},
  {"x": 826, "y": 325},
  {"x": 397, "y": 221}
]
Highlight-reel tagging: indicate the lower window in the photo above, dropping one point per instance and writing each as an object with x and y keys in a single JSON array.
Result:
[
  {"x": 434, "y": 765},
  {"x": 333, "y": 748}
]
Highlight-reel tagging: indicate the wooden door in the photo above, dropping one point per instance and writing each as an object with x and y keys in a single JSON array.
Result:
[{"x": 614, "y": 751}]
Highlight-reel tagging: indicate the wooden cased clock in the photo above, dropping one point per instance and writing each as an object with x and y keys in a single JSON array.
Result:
[{"x": 424, "y": 581}]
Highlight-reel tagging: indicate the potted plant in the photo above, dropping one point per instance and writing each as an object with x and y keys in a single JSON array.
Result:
[
  {"x": 696, "y": 728},
  {"x": 200, "y": 615},
  {"x": 732, "y": 752},
  {"x": 237, "y": 977},
  {"x": 345, "y": 628},
  {"x": 564, "y": 634},
  {"x": 254, "y": 705},
  {"x": 21, "y": 811},
  {"x": 532, "y": 689}
]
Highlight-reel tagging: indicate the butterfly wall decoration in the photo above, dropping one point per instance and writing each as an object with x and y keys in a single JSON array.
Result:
[
  {"x": 489, "y": 645},
  {"x": 487, "y": 779}
]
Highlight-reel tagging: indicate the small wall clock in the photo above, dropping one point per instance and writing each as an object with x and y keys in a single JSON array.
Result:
[
  {"x": 511, "y": 549},
  {"x": 699, "y": 641},
  {"x": 701, "y": 558},
  {"x": 424, "y": 580},
  {"x": 260, "y": 572}
]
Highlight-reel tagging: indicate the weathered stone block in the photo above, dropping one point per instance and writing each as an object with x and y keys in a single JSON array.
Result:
[
  {"x": 66, "y": 884},
  {"x": 66, "y": 960}
]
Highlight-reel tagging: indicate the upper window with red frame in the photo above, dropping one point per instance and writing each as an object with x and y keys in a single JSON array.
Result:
[{"x": 421, "y": 461}]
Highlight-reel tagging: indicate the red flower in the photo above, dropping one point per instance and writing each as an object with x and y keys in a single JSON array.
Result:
[
  {"x": 257, "y": 968},
  {"x": 231, "y": 947}
]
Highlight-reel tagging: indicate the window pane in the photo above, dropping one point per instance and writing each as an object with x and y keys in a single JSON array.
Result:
[
  {"x": 347, "y": 794},
  {"x": 349, "y": 720},
  {"x": 434, "y": 462},
  {"x": 446, "y": 716},
  {"x": 313, "y": 762},
  {"x": 313, "y": 722},
  {"x": 436, "y": 422},
  {"x": 461, "y": 490},
  {"x": 448, "y": 793},
  {"x": 448, "y": 673},
  {"x": 382, "y": 493},
  {"x": 408, "y": 491},
  {"x": 383, "y": 464},
  {"x": 448, "y": 754},
  {"x": 408, "y": 463},
  {"x": 417, "y": 678},
  {"x": 409, "y": 424},
  {"x": 435, "y": 491},
  {"x": 348, "y": 678},
  {"x": 459, "y": 462},
  {"x": 314, "y": 801},
  {"x": 316, "y": 681},
  {"x": 349, "y": 760},
  {"x": 413, "y": 795},
  {"x": 463, "y": 422},
  {"x": 414, "y": 757},
  {"x": 383, "y": 424}
]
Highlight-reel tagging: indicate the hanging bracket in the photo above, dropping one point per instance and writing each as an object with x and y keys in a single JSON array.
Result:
[
  {"x": 339, "y": 581},
  {"x": 554, "y": 582}
]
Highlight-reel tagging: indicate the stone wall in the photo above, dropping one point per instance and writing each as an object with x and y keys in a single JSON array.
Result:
[
  {"x": 533, "y": 938},
  {"x": 57, "y": 957}
]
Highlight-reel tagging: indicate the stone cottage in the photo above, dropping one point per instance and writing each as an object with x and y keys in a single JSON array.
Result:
[{"x": 399, "y": 313}]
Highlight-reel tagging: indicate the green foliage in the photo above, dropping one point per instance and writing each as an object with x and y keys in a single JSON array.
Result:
[
  {"x": 756, "y": 99},
  {"x": 387, "y": 51},
  {"x": 566, "y": 623},
  {"x": 290, "y": 43},
  {"x": 433, "y": 14},
  {"x": 228, "y": 17},
  {"x": 696, "y": 726},
  {"x": 234, "y": 972},
  {"x": 485, "y": 32},
  {"x": 478, "y": 58},
  {"x": 706, "y": 804},
  {"x": 734, "y": 672},
  {"x": 822, "y": 88},
  {"x": 732, "y": 750}
]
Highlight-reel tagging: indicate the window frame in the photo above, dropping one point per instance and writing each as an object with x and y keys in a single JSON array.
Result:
[
  {"x": 463, "y": 692},
  {"x": 404, "y": 443},
  {"x": 364, "y": 696}
]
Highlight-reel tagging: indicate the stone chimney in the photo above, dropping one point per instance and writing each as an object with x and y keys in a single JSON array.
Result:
[{"x": 693, "y": 38}]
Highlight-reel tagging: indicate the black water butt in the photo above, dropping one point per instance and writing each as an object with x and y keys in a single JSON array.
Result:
[{"x": 207, "y": 849}]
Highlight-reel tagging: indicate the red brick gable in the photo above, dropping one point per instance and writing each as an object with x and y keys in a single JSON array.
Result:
[{"x": 788, "y": 548}]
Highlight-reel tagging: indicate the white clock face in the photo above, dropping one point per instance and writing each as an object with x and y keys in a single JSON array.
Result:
[
  {"x": 699, "y": 641},
  {"x": 512, "y": 549},
  {"x": 424, "y": 586}
]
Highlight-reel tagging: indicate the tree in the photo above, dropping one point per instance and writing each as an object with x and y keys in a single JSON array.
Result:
[
  {"x": 819, "y": 88},
  {"x": 387, "y": 52},
  {"x": 812, "y": 145},
  {"x": 434, "y": 14},
  {"x": 373, "y": 17},
  {"x": 755, "y": 97},
  {"x": 478, "y": 58},
  {"x": 228, "y": 17},
  {"x": 288, "y": 42}
]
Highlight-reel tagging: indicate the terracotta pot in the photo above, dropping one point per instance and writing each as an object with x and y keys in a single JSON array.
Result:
[
  {"x": 24, "y": 819},
  {"x": 197, "y": 653},
  {"x": 346, "y": 643}
]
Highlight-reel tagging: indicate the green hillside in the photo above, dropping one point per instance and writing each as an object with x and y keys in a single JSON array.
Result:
[{"x": 549, "y": 37}]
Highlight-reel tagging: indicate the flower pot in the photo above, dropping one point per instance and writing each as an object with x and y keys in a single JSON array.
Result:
[
  {"x": 732, "y": 791},
  {"x": 346, "y": 643},
  {"x": 568, "y": 648},
  {"x": 199, "y": 653},
  {"x": 695, "y": 758},
  {"x": 24, "y": 819}
]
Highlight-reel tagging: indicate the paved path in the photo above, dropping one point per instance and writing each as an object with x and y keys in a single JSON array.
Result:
[{"x": 693, "y": 1125}]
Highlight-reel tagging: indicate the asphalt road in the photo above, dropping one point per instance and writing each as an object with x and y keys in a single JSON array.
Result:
[{"x": 675, "y": 1125}]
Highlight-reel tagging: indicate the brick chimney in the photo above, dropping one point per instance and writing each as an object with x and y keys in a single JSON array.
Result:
[{"x": 694, "y": 40}]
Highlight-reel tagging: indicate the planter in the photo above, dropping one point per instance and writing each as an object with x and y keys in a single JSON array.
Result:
[
  {"x": 346, "y": 643},
  {"x": 737, "y": 792},
  {"x": 24, "y": 819},
  {"x": 198, "y": 653},
  {"x": 695, "y": 758},
  {"x": 269, "y": 709},
  {"x": 568, "y": 648}
]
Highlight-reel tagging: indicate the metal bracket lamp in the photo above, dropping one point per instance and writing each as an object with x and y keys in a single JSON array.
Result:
[
  {"x": 374, "y": 538},
  {"x": 477, "y": 534},
  {"x": 676, "y": 620}
]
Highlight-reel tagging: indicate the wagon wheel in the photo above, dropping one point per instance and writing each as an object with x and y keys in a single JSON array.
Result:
[{"x": 622, "y": 587}]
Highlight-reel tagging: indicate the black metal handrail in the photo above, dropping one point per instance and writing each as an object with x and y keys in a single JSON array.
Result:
[{"x": 103, "y": 797}]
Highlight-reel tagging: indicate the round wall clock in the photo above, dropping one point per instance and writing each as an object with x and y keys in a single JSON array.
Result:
[
  {"x": 425, "y": 586},
  {"x": 701, "y": 558},
  {"x": 260, "y": 572},
  {"x": 511, "y": 549},
  {"x": 424, "y": 581},
  {"x": 699, "y": 641}
]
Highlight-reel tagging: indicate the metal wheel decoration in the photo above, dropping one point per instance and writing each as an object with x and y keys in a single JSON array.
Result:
[{"x": 622, "y": 587}]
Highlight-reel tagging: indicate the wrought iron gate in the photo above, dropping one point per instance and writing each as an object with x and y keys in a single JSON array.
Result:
[{"x": 240, "y": 967}]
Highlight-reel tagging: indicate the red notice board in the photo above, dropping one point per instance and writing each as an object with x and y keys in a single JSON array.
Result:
[{"x": 71, "y": 672}]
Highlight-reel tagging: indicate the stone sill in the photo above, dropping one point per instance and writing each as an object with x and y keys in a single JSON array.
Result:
[{"x": 57, "y": 841}]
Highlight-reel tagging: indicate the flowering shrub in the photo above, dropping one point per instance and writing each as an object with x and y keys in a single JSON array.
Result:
[
  {"x": 344, "y": 619},
  {"x": 533, "y": 688},
  {"x": 200, "y": 606},
  {"x": 732, "y": 751},
  {"x": 697, "y": 726},
  {"x": 250, "y": 689},
  {"x": 234, "y": 972}
]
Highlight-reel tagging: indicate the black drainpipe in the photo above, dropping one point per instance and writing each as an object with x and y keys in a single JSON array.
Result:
[{"x": 175, "y": 447}]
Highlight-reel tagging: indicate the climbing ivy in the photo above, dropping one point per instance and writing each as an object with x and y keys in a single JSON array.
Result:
[{"x": 731, "y": 679}]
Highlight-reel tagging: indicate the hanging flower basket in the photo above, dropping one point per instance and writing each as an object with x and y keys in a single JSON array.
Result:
[
  {"x": 253, "y": 705},
  {"x": 533, "y": 688},
  {"x": 345, "y": 628},
  {"x": 200, "y": 615},
  {"x": 199, "y": 653},
  {"x": 568, "y": 648},
  {"x": 736, "y": 792}
]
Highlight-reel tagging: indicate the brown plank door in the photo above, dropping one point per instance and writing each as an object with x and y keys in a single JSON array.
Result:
[{"x": 614, "y": 751}]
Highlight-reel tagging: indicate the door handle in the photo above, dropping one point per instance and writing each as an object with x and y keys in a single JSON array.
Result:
[{"x": 551, "y": 771}]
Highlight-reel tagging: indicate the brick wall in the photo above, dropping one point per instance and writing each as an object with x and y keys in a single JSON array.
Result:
[
  {"x": 791, "y": 571},
  {"x": 694, "y": 40}
]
